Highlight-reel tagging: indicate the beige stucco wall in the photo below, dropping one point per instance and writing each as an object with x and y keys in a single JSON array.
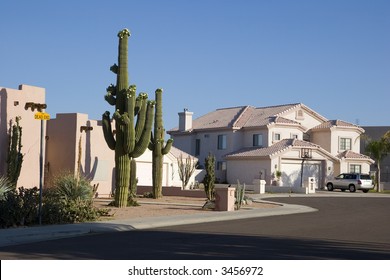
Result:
[
  {"x": 322, "y": 138},
  {"x": 186, "y": 142},
  {"x": 12, "y": 105},
  {"x": 285, "y": 133},
  {"x": 329, "y": 139},
  {"x": 97, "y": 160},
  {"x": 343, "y": 133},
  {"x": 248, "y": 136},
  {"x": 247, "y": 170},
  {"x": 308, "y": 121}
]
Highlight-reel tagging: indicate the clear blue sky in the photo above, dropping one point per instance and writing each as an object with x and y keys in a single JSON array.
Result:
[{"x": 333, "y": 56}]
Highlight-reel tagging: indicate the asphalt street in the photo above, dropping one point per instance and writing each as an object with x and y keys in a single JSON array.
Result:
[{"x": 343, "y": 228}]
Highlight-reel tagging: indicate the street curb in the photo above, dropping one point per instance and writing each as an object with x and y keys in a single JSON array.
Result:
[{"x": 17, "y": 236}]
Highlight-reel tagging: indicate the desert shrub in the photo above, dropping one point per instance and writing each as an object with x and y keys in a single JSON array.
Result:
[
  {"x": 70, "y": 188},
  {"x": 5, "y": 187},
  {"x": 19, "y": 207},
  {"x": 69, "y": 200}
]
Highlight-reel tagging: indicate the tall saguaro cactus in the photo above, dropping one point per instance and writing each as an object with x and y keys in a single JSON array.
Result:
[
  {"x": 131, "y": 137},
  {"x": 157, "y": 147},
  {"x": 15, "y": 156}
]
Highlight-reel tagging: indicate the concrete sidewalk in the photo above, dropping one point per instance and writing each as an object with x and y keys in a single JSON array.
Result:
[{"x": 15, "y": 236}]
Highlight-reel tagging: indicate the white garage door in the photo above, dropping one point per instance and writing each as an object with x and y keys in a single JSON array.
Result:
[
  {"x": 291, "y": 172},
  {"x": 144, "y": 174}
]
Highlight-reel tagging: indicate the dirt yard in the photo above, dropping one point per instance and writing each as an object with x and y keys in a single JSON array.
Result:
[{"x": 166, "y": 206}]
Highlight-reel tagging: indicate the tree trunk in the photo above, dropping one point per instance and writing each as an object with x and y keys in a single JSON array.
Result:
[{"x": 378, "y": 177}]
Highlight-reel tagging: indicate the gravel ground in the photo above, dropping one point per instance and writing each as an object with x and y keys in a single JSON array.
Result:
[{"x": 166, "y": 206}]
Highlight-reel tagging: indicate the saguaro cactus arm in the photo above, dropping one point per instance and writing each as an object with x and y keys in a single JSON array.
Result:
[
  {"x": 167, "y": 147},
  {"x": 143, "y": 142},
  {"x": 110, "y": 96},
  {"x": 141, "y": 119},
  {"x": 107, "y": 131}
]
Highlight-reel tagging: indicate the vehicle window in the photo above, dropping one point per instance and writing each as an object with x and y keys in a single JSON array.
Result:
[
  {"x": 341, "y": 176},
  {"x": 353, "y": 176},
  {"x": 365, "y": 177}
]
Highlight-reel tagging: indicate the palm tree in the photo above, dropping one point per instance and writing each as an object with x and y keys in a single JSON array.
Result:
[{"x": 378, "y": 150}]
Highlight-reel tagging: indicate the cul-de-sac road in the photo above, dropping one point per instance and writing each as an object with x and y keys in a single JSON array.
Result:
[{"x": 344, "y": 227}]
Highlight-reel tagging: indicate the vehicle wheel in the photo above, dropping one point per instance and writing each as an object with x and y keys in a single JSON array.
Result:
[
  {"x": 329, "y": 187},
  {"x": 365, "y": 191},
  {"x": 352, "y": 188}
]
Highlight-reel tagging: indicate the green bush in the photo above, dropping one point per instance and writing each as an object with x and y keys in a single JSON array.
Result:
[
  {"x": 5, "y": 187},
  {"x": 68, "y": 187},
  {"x": 69, "y": 200},
  {"x": 19, "y": 207}
]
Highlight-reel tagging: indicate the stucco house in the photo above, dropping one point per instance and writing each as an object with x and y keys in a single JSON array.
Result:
[
  {"x": 65, "y": 136},
  {"x": 252, "y": 143}
]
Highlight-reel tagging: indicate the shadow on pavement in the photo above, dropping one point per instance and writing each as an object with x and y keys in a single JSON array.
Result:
[{"x": 158, "y": 245}]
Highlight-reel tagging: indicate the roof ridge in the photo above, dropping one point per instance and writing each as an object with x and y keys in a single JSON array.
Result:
[
  {"x": 292, "y": 106},
  {"x": 234, "y": 107},
  {"x": 280, "y": 105},
  {"x": 240, "y": 114}
]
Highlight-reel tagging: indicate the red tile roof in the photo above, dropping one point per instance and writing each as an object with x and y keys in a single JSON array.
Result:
[
  {"x": 348, "y": 154},
  {"x": 243, "y": 116},
  {"x": 335, "y": 123},
  {"x": 271, "y": 150}
]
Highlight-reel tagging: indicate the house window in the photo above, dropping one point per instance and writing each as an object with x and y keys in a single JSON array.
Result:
[
  {"x": 306, "y": 137},
  {"x": 299, "y": 115},
  {"x": 197, "y": 147},
  {"x": 345, "y": 144},
  {"x": 277, "y": 137},
  {"x": 294, "y": 136},
  {"x": 257, "y": 140},
  {"x": 222, "y": 142},
  {"x": 355, "y": 168},
  {"x": 221, "y": 165}
]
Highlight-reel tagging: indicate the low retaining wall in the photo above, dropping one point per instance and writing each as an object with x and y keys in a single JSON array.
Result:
[
  {"x": 385, "y": 185},
  {"x": 278, "y": 189},
  {"x": 173, "y": 191}
]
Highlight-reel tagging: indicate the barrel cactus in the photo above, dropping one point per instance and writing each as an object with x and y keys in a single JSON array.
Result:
[{"x": 133, "y": 118}]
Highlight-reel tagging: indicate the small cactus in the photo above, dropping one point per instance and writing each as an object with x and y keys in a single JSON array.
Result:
[
  {"x": 209, "y": 178},
  {"x": 239, "y": 194}
]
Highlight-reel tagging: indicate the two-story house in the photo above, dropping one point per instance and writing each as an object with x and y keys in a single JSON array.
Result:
[{"x": 254, "y": 143}]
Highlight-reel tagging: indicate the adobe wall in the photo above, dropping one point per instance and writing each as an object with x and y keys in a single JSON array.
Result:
[{"x": 13, "y": 105}]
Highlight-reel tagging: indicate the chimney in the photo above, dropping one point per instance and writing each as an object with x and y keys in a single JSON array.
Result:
[{"x": 185, "y": 120}]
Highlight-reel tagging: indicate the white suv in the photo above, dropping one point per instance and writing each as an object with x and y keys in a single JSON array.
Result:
[{"x": 351, "y": 182}]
